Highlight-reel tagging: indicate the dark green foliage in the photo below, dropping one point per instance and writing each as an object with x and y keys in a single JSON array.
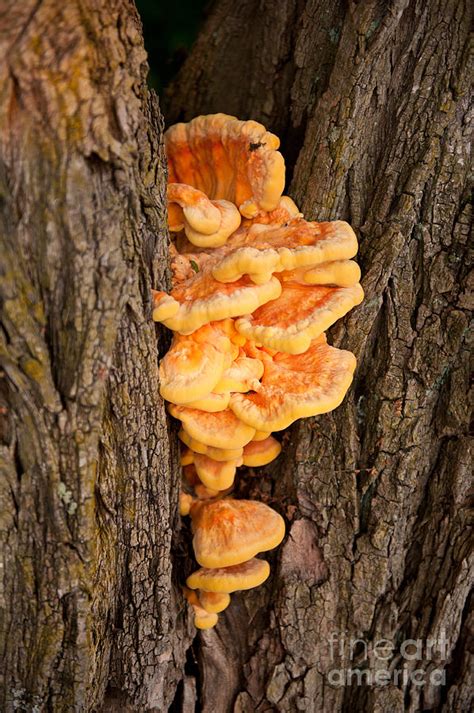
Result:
[{"x": 169, "y": 29}]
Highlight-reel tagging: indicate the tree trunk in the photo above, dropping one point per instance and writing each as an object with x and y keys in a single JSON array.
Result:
[
  {"x": 370, "y": 100},
  {"x": 88, "y": 489}
]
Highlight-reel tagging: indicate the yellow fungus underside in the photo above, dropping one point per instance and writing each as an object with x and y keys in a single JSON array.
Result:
[
  {"x": 230, "y": 579},
  {"x": 219, "y": 430},
  {"x": 258, "y": 453},
  {"x": 217, "y": 475},
  {"x": 214, "y": 602}
]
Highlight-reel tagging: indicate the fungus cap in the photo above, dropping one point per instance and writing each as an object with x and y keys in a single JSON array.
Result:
[
  {"x": 301, "y": 313},
  {"x": 228, "y": 532},
  {"x": 214, "y": 602},
  {"x": 230, "y": 579},
  {"x": 164, "y": 306},
  {"x": 202, "y": 619},
  {"x": 187, "y": 457},
  {"x": 198, "y": 211},
  {"x": 229, "y": 222},
  {"x": 343, "y": 273},
  {"x": 221, "y": 454},
  {"x": 175, "y": 217},
  {"x": 206, "y": 223},
  {"x": 195, "y": 364},
  {"x": 227, "y": 158},
  {"x": 217, "y": 475},
  {"x": 297, "y": 386},
  {"x": 204, "y": 493},
  {"x": 261, "y": 435},
  {"x": 185, "y": 502},
  {"x": 219, "y": 430},
  {"x": 257, "y": 453},
  {"x": 285, "y": 211},
  {"x": 202, "y": 299},
  {"x": 262, "y": 250}
]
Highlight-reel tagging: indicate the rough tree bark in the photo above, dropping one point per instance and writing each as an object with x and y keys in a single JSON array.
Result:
[
  {"x": 88, "y": 489},
  {"x": 371, "y": 102}
]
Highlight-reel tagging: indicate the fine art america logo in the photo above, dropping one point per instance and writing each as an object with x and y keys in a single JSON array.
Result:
[{"x": 381, "y": 662}]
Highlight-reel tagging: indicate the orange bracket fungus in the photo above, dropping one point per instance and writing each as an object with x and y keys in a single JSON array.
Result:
[{"x": 255, "y": 287}]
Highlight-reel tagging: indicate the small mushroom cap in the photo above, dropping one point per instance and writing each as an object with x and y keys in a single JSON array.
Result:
[
  {"x": 221, "y": 454},
  {"x": 227, "y": 158},
  {"x": 228, "y": 532},
  {"x": 229, "y": 222},
  {"x": 288, "y": 206},
  {"x": 262, "y": 250},
  {"x": 164, "y": 306},
  {"x": 214, "y": 602},
  {"x": 202, "y": 299},
  {"x": 297, "y": 386},
  {"x": 217, "y": 475},
  {"x": 230, "y": 579},
  {"x": 195, "y": 364},
  {"x": 242, "y": 375},
  {"x": 301, "y": 313},
  {"x": 206, "y": 223},
  {"x": 202, "y": 618},
  {"x": 312, "y": 243},
  {"x": 198, "y": 210},
  {"x": 257, "y": 453},
  {"x": 220, "y": 430},
  {"x": 185, "y": 502}
]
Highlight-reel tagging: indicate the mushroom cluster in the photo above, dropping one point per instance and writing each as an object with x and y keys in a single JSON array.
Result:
[{"x": 255, "y": 286}]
